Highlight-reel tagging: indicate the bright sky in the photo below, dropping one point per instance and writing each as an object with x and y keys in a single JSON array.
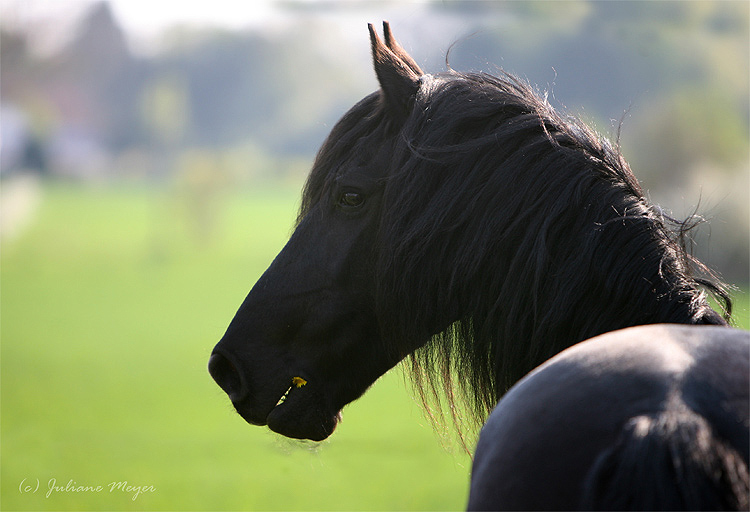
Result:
[
  {"x": 147, "y": 16},
  {"x": 142, "y": 19},
  {"x": 152, "y": 15},
  {"x": 52, "y": 21}
]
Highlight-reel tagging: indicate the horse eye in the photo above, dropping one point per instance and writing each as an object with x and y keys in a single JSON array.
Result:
[{"x": 351, "y": 199}]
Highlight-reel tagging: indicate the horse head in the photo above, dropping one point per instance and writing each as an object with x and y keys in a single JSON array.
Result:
[{"x": 306, "y": 341}]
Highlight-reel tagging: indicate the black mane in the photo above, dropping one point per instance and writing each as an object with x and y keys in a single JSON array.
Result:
[{"x": 506, "y": 225}]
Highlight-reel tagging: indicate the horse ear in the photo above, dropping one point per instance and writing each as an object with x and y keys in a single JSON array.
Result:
[
  {"x": 396, "y": 48},
  {"x": 397, "y": 72}
]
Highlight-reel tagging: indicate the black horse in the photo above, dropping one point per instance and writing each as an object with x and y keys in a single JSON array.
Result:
[{"x": 459, "y": 220}]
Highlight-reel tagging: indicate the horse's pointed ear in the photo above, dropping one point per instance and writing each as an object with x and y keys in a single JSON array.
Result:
[
  {"x": 396, "y": 48},
  {"x": 397, "y": 72}
]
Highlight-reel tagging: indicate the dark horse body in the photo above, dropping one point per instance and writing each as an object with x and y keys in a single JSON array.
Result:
[
  {"x": 646, "y": 418},
  {"x": 459, "y": 220}
]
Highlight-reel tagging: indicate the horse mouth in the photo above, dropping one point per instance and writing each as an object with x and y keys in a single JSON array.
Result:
[{"x": 300, "y": 414}]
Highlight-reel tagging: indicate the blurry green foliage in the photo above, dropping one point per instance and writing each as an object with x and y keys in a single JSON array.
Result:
[{"x": 689, "y": 128}]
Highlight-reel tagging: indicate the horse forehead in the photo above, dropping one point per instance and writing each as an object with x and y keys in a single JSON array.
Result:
[
  {"x": 359, "y": 170},
  {"x": 367, "y": 158}
]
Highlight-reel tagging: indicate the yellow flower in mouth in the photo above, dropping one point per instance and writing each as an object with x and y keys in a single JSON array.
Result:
[{"x": 298, "y": 381}]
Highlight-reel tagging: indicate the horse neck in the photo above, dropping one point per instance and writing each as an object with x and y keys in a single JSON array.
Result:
[{"x": 584, "y": 275}]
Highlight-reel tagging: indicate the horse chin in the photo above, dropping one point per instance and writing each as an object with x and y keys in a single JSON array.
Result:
[{"x": 301, "y": 414}]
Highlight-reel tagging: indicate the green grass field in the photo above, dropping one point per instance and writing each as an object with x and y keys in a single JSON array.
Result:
[{"x": 111, "y": 303}]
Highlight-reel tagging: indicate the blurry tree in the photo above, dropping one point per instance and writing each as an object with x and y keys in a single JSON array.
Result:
[
  {"x": 260, "y": 86},
  {"x": 16, "y": 62},
  {"x": 165, "y": 109},
  {"x": 96, "y": 81},
  {"x": 686, "y": 129}
]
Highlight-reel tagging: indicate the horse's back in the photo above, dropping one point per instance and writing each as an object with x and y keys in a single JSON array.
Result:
[{"x": 545, "y": 444}]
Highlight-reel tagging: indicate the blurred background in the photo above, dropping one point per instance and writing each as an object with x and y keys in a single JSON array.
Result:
[
  {"x": 213, "y": 94},
  {"x": 151, "y": 161}
]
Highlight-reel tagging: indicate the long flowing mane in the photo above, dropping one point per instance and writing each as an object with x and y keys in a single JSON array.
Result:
[{"x": 518, "y": 231}]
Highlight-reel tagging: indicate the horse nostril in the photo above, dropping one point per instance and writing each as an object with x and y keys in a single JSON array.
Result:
[{"x": 226, "y": 375}]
